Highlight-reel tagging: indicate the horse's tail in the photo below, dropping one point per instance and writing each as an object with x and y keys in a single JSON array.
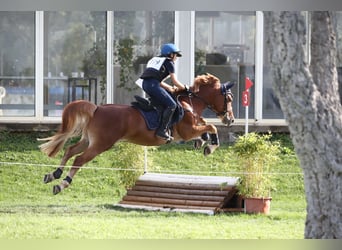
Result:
[{"x": 76, "y": 116}]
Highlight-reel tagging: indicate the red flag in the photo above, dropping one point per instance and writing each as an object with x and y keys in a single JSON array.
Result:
[{"x": 248, "y": 83}]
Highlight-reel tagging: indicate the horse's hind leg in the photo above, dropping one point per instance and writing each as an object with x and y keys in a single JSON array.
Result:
[
  {"x": 70, "y": 152},
  {"x": 79, "y": 161}
]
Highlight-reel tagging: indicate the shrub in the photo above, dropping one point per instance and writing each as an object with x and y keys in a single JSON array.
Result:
[
  {"x": 256, "y": 154},
  {"x": 130, "y": 158}
]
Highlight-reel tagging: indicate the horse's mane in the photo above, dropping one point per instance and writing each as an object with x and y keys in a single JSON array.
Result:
[{"x": 205, "y": 79}]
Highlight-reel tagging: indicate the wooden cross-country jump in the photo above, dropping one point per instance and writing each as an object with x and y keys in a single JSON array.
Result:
[{"x": 185, "y": 193}]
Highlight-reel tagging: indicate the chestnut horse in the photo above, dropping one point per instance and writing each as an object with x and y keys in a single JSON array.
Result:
[{"x": 102, "y": 126}]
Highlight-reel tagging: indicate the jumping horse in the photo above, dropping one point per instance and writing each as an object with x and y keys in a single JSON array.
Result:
[{"x": 100, "y": 127}]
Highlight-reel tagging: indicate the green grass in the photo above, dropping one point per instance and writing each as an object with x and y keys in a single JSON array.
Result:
[
  {"x": 106, "y": 223},
  {"x": 86, "y": 210}
]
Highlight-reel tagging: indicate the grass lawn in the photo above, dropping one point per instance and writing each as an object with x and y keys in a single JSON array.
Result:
[{"x": 86, "y": 210}]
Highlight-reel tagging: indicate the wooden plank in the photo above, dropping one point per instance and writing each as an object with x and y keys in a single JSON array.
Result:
[
  {"x": 169, "y": 206},
  {"x": 180, "y": 177},
  {"x": 194, "y": 179},
  {"x": 180, "y": 191},
  {"x": 183, "y": 185},
  {"x": 176, "y": 196},
  {"x": 164, "y": 209},
  {"x": 172, "y": 201}
]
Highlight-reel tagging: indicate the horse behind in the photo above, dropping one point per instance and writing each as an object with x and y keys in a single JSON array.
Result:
[{"x": 100, "y": 127}]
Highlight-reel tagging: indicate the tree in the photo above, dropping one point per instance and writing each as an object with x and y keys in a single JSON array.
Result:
[{"x": 308, "y": 94}]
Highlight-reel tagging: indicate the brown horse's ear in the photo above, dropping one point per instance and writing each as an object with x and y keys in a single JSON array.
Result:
[
  {"x": 195, "y": 88},
  {"x": 199, "y": 80},
  {"x": 204, "y": 78},
  {"x": 212, "y": 78}
]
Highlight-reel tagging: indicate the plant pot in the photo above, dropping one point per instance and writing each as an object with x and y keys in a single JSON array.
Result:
[{"x": 257, "y": 205}]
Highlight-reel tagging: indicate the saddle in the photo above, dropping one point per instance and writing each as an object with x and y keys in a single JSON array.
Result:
[
  {"x": 152, "y": 111},
  {"x": 143, "y": 103}
]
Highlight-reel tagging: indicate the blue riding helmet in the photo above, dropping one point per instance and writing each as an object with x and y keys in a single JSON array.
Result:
[{"x": 169, "y": 48}]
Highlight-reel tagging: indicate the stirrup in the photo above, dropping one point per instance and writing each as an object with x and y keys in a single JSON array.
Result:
[{"x": 164, "y": 135}]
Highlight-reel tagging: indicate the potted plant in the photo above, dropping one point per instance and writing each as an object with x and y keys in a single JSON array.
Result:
[{"x": 256, "y": 154}]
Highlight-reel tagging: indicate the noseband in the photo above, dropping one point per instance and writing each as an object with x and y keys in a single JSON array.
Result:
[{"x": 225, "y": 91}]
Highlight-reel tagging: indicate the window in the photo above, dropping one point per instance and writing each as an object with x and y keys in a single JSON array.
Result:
[
  {"x": 74, "y": 58},
  {"x": 17, "y": 60},
  {"x": 224, "y": 47},
  {"x": 138, "y": 36}
]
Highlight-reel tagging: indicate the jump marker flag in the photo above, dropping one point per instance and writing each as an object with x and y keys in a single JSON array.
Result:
[{"x": 246, "y": 100}]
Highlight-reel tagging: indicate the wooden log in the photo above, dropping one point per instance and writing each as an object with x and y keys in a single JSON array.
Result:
[
  {"x": 176, "y": 196},
  {"x": 172, "y": 201},
  {"x": 170, "y": 206},
  {"x": 180, "y": 191}
]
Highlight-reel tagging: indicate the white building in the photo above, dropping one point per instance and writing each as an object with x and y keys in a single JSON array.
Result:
[{"x": 48, "y": 58}]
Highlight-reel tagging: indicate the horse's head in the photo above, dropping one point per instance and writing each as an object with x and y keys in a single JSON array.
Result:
[{"x": 217, "y": 97}]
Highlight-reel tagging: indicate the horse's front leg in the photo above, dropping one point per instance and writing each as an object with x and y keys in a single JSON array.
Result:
[
  {"x": 199, "y": 142},
  {"x": 210, "y": 133},
  {"x": 203, "y": 131},
  {"x": 214, "y": 144}
]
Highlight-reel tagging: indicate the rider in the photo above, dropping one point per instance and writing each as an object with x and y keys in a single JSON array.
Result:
[{"x": 157, "y": 70}]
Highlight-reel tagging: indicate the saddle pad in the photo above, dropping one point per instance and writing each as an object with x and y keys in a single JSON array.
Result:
[{"x": 151, "y": 118}]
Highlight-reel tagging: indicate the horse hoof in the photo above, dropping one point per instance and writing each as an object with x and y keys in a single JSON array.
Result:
[
  {"x": 56, "y": 189},
  {"x": 198, "y": 143},
  {"x": 48, "y": 178},
  {"x": 207, "y": 151}
]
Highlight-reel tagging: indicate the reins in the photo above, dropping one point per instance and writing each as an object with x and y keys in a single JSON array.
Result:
[{"x": 224, "y": 92}]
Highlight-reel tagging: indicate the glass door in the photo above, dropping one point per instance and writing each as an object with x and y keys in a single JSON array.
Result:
[
  {"x": 224, "y": 47},
  {"x": 74, "y": 58}
]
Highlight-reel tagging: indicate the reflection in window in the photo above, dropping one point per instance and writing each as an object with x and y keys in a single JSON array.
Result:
[
  {"x": 224, "y": 47},
  {"x": 138, "y": 36},
  {"x": 17, "y": 92},
  {"x": 74, "y": 58},
  {"x": 270, "y": 106}
]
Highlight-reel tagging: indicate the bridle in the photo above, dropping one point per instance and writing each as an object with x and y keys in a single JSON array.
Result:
[{"x": 226, "y": 92}]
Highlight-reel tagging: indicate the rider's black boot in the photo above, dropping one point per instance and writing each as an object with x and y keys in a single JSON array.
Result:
[{"x": 162, "y": 131}]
